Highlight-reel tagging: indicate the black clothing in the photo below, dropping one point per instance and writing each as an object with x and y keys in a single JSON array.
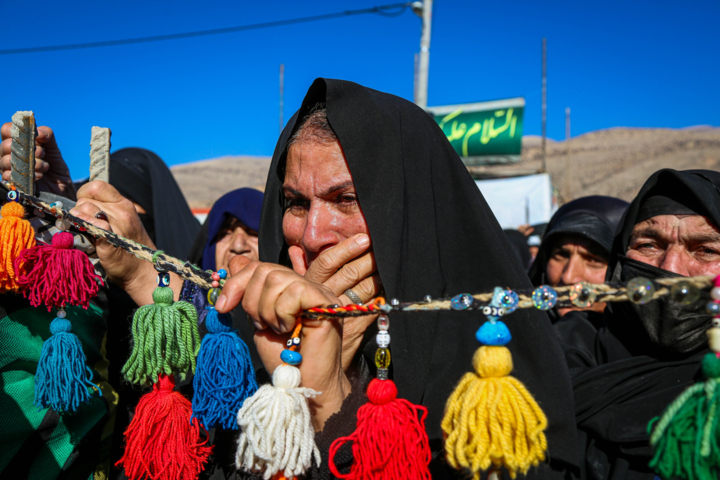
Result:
[
  {"x": 143, "y": 177},
  {"x": 519, "y": 244},
  {"x": 595, "y": 218},
  {"x": 432, "y": 234},
  {"x": 643, "y": 356}
]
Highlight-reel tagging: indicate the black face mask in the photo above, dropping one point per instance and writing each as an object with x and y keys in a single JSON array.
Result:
[
  {"x": 665, "y": 327},
  {"x": 149, "y": 224}
]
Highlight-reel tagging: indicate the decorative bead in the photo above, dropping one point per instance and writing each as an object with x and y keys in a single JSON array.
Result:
[
  {"x": 213, "y": 295},
  {"x": 461, "y": 302},
  {"x": 215, "y": 284},
  {"x": 62, "y": 225},
  {"x": 716, "y": 322},
  {"x": 383, "y": 323},
  {"x": 509, "y": 301},
  {"x": 295, "y": 341},
  {"x": 640, "y": 290},
  {"x": 12, "y": 196},
  {"x": 222, "y": 273},
  {"x": 56, "y": 205},
  {"x": 382, "y": 358},
  {"x": 383, "y": 374},
  {"x": 490, "y": 311},
  {"x": 427, "y": 299},
  {"x": 544, "y": 297},
  {"x": 163, "y": 279},
  {"x": 289, "y": 342},
  {"x": 684, "y": 292},
  {"x": 382, "y": 339},
  {"x": 290, "y": 357},
  {"x": 215, "y": 277},
  {"x": 715, "y": 293},
  {"x": 582, "y": 295},
  {"x": 61, "y": 314},
  {"x": 495, "y": 334},
  {"x": 394, "y": 302},
  {"x": 714, "y": 339},
  {"x": 713, "y": 308}
]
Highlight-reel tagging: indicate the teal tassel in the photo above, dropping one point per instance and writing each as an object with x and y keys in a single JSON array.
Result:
[
  {"x": 62, "y": 378},
  {"x": 224, "y": 377}
]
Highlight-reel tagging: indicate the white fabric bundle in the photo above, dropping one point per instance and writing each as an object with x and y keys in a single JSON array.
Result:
[{"x": 277, "y": 432}]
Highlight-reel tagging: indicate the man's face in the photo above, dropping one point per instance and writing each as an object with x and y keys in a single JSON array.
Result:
[
  {"x": 688, "y": 245},
  {"x": 574, "y": 259}
]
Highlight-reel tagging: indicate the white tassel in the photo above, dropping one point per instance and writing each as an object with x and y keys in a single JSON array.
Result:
[{"x": 277, "y": 432}]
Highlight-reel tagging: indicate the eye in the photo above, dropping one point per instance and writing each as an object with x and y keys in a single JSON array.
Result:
[
  {"x": 163, "y": 280},
  {"x": 12, "y": 196},
  {"x": 294, "y": 203}
]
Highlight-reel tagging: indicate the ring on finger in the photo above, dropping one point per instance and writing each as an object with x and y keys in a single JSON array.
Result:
[
  {"x": 353, "y": 296},
  {"x": 101, "y": 216}
]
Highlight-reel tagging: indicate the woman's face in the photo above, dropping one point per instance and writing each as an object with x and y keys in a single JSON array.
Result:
[
  {"x": 234, "y": 238},
  {"x": 322, "y": 208}
]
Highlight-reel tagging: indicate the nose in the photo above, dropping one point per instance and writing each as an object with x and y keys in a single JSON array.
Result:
[
  {"x": 239, "y": 241},
  {"x": 674, "y": 261},
  {"x": 574, "y": 271},
  {"x": 319, "y": 232}
]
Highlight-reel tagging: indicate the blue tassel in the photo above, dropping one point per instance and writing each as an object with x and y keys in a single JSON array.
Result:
[
  {"x": 62, "y": 378},
  {"x": 224, "y": 376}
]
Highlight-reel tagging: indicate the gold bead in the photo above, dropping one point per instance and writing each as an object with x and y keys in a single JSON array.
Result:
[{"x": 382, "y": 358}]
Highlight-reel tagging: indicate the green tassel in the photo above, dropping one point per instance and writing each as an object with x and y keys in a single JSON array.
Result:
[
  {"x": 165, "y": 339},
  {"x": 686, "y": 436}
]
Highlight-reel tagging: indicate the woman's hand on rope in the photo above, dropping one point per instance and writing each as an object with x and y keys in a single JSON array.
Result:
[
  {"x": 135, "y": 276},
  {"x": 272, "y": 296},
  {"x": 348, "y": 265},
  {"x": 51, "y": 172}
]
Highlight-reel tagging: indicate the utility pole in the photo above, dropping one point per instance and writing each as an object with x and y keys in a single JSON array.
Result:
[
  {"x": 423, "y": 10},
  {"x": 282, "y": 94},
  {"x": 544, "y": 102},
  {"x": 415, "y": 78},
  {"x": 567, "y": 197}
]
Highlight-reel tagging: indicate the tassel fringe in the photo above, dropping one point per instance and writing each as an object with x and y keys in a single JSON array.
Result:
[{"x": 16, "y": 235}]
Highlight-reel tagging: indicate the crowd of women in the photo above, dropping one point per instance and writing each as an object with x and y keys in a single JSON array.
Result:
[{"x": 365, "y": 197}]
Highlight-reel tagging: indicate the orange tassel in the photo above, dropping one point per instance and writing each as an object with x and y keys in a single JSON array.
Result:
[{"x": 16, "y": 235}]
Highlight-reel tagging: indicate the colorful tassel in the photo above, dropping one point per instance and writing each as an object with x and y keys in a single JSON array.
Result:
[
  {"x": 162, "y": 441},
  {"x": 16, "y": 234},
  {"x": 62, "y": 378},
  {"x": 165, "y": 339},
  {"x": 390, "y": 441},
  {"x": 56, "y": 275},
  {"x": 224, "y": 376},
  {"x": 491, "y": 420},
  {"x": 687, "y": 436},
  {"x": 277, "y": 433}
]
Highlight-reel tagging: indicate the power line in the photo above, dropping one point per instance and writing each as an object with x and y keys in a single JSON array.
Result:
[{"x": 381, "y": 10}]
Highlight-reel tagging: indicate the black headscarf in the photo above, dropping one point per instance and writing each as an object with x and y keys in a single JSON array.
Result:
[
  {"x": 143, "y": 177},
  {"x": 595, "y": 218},
  {"x": 432, "y": 234},
  {"x": 628, "y": 371},
  {"x": 519, "y": 244}
]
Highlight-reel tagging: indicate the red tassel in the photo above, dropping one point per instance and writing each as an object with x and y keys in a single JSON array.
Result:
[
  {"x": 162, "y": 441},
  {"x": 390, "y": 441},
  {"x": 56, "y": 275}
]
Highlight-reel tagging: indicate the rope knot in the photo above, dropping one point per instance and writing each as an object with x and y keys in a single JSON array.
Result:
[
  {"x": 63, "y": 240},
  {"x": 12, "y": 209}
]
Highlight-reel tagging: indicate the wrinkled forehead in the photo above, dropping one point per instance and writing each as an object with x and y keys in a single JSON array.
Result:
[
  {"x": 678, "y": 225},
  {"x": 316, "y": 167}
]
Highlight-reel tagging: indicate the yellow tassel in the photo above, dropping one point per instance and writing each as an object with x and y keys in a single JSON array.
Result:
[
  {"x": 492, "y": 420},
  {"x": 16, "y": 234}
]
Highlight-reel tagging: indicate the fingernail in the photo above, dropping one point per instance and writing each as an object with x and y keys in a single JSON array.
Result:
[
  {"x": 221, "y": 301},
  {"x": 73, "y": 212},
  {"x": 257, "y": 324},
  {"x": 363, "y": 240}
]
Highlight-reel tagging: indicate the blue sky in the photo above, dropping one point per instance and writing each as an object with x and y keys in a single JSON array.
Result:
[{"x": 615, "y": 63}]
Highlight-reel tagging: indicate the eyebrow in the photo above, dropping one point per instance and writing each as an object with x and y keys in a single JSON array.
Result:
[
  {"x": 324, "y": 193},
  {"x": 693, "y": 237}
]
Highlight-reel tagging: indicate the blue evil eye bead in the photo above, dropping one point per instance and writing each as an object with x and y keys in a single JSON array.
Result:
[
  {"x": 222, "y": 273},
  {"x": 713, "y": 308},
  {"x": 290, "y": 357},
  {"x": 12, "y": 196},
  {"x": 493, "y": 334},
  {"x": 509, "y": 301},
  {"x": 544, "y": 297},
  {"x": 462, "y": 301},
  {"x": 163, "y": 280}
]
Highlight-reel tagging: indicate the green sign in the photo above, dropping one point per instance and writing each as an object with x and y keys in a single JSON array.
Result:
[{"x": 484, "y": 135}]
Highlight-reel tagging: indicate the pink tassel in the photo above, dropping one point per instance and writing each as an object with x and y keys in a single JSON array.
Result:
[{"x": 57, "y": 275}]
